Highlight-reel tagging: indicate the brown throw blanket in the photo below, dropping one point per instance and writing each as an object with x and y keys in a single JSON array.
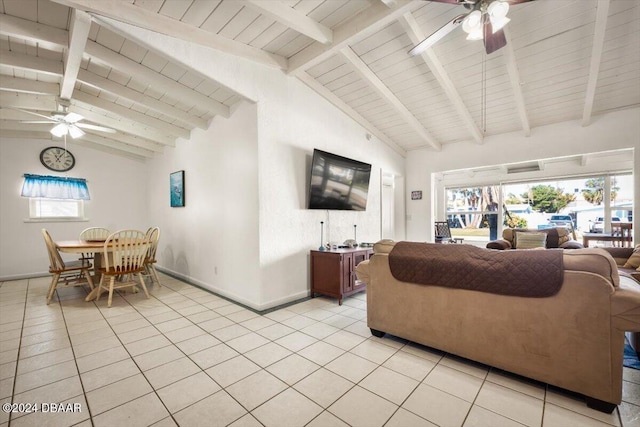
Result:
[{"x": 525, "y": 273}]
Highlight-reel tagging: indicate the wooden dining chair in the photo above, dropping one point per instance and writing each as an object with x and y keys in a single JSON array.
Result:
[
  {"x": 93, "y": 233},
  {"x": 153, "y": 235},
  {"x": 623, "y": 232},
  {"x": 74, "y": 273},
  {"x": 124, "y": 253}
]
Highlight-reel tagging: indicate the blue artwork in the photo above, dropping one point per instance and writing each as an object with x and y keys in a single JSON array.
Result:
[{"x": 176, "y": 189}]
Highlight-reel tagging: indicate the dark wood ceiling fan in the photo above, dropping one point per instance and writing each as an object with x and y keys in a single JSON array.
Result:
[{"x": 478, "y": 22}]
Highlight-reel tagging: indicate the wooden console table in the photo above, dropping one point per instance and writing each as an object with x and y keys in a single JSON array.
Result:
[{"x": 333, "y": 272}]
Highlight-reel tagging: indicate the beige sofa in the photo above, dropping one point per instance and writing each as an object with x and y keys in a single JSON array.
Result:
[{"x": 573, "y": 339}]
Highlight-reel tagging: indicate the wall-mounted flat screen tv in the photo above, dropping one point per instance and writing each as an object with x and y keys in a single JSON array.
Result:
[{"x": 338, "y": 183}]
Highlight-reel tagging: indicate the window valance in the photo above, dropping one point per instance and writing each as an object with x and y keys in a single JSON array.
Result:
[{"x": 55, "y": 187}]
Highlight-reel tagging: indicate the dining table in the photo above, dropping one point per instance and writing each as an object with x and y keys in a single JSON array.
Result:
[{"x": 95, "y": 247}]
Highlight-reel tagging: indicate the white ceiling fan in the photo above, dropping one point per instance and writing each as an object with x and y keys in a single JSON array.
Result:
[
  {"x": 65, "y": 122},
  {"x": 484, "y": 21}
]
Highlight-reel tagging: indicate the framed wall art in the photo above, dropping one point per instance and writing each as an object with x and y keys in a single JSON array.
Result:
[{"x": 176, "y": 189}]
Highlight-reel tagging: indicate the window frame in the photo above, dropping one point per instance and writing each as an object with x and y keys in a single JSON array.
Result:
[{"x": 34, "y": 217}]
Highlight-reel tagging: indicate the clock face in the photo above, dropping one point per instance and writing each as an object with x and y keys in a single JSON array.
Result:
[{"x": 57, "y": 159}]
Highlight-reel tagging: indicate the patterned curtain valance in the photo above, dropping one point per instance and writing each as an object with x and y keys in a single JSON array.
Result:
[{"x": 55, "y": 187}]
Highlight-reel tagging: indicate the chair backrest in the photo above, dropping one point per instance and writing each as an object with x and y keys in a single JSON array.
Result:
[
  {"x": 125, "y": 251},
  {"x": 153, "y": 235},
  {"x": 623, "y": 231},
  {"x": 442, "y": 229},
  {"x": 94, "y": 233},
  {"x": 55, "y": 260}
]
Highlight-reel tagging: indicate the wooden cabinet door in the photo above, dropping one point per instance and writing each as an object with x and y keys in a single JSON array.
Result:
[{"x": 347, "y": 272}]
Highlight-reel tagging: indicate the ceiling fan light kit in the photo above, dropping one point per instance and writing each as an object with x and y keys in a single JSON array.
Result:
[
  {"x": 495, "y": 12},
  {"x": 484, "y": 21}
]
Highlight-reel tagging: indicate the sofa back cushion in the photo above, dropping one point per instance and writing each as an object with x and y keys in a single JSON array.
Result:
[
  {"x": 525, "y": 240},
  {"x": 555, "y": 236}
]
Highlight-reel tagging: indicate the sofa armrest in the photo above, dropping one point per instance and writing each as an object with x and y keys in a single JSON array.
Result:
[
  {"x": 625, "y": 306},
  {"x": 620, "y": 255},
  {"x": 572, "y": 244},
  {"x": 362, "y": 272},
  {"x": 500, "y": 244}
]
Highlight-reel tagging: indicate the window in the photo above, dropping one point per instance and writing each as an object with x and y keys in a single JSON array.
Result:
[
  {"x": 40, "y": 209},
  {"x": 55, "y": 198},
  {"x": 473, "y": 211}
]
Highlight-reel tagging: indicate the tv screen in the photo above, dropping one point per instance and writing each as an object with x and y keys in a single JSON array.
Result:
[{"x": 338, "y": 183}]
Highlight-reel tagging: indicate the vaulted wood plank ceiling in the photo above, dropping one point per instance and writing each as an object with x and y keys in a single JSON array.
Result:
[{"x": 564, "y": 60}]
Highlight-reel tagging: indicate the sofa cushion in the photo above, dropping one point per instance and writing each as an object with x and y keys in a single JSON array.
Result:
[
  {"x": 525, "y": 240},
  {"x": 634, "y": 259}
]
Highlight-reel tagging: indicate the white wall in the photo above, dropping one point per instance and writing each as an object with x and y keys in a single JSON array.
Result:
[
  {"x": 292, "y": 120},
  {"x": 617, "y": 130},
  {"x": 117, "y": 186},
  {"x": 213, "y": 240}
]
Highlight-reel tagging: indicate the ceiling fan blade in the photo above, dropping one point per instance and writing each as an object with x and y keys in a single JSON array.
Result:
[
  {"x": 440, "y": 33},
  {"x": 36, "y": 121},
  {"x": 72, "y": 117},
  {"x": 94, "y": 127},
  {"x": 493, "y": 41}
]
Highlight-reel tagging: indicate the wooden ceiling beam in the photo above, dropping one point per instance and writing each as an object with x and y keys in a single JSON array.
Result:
[
  {"x": 153, "y": 79},
  {"x": 16, "y": 84},
  {"x": 140, "y": 17},
  {"x": 416, "y": 35},
  {"x": 44, "y": 34},
  {"x": 124, "y": 126},
  {"x": 365, "y": 23},
  {"x": 129, "y": 114},
  {"x": 336, "y": 101},
  {"x": 386, "y": 94},
  {"x": 53, "y": 38},
  {"x": 516, "y": 85},
  {"x": 31, "y": 63},
  {"x": 39, "y": 130},
  {"x": 28, "y": 101},
  {"x": 293, "y": 19},
  {"x": 99, "y": 82},
  {"x": 602, "y": 14},
  {"x": 130, "y": 140},
  {"x": 109, "y": 142},
  {"x": 72, "y": 57}
]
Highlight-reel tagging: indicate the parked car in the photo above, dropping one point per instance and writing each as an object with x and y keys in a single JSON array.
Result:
[
  {"x": 561, "y": 221},
  {"x": 597, "y": 226}
]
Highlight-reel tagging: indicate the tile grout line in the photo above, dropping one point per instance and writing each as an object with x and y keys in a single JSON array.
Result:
[
  {"x": 75, "y": 361},
  {"x": 15, "y": 376}
]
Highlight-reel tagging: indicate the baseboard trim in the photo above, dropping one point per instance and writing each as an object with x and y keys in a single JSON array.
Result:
[
  {"x": 24, "y": 276},
  {"x": 230, "y": 296}
]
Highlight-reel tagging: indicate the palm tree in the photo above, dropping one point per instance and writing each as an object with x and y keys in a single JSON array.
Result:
[{"x": 594, "y": 193}]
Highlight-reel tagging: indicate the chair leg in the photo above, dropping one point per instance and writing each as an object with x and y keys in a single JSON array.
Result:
[
  {"x": 52, "y": 288},
  {"x": 113, "y": 279},
  {"x": 144, "y": 287},
  {"x": 155, "y": 274}
]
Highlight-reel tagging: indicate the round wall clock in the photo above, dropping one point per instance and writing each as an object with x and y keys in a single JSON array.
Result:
[{"x": 57, "y": 159}]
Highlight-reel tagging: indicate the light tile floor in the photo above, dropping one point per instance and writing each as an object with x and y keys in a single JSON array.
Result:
[{"x": 187, "y": 357}]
